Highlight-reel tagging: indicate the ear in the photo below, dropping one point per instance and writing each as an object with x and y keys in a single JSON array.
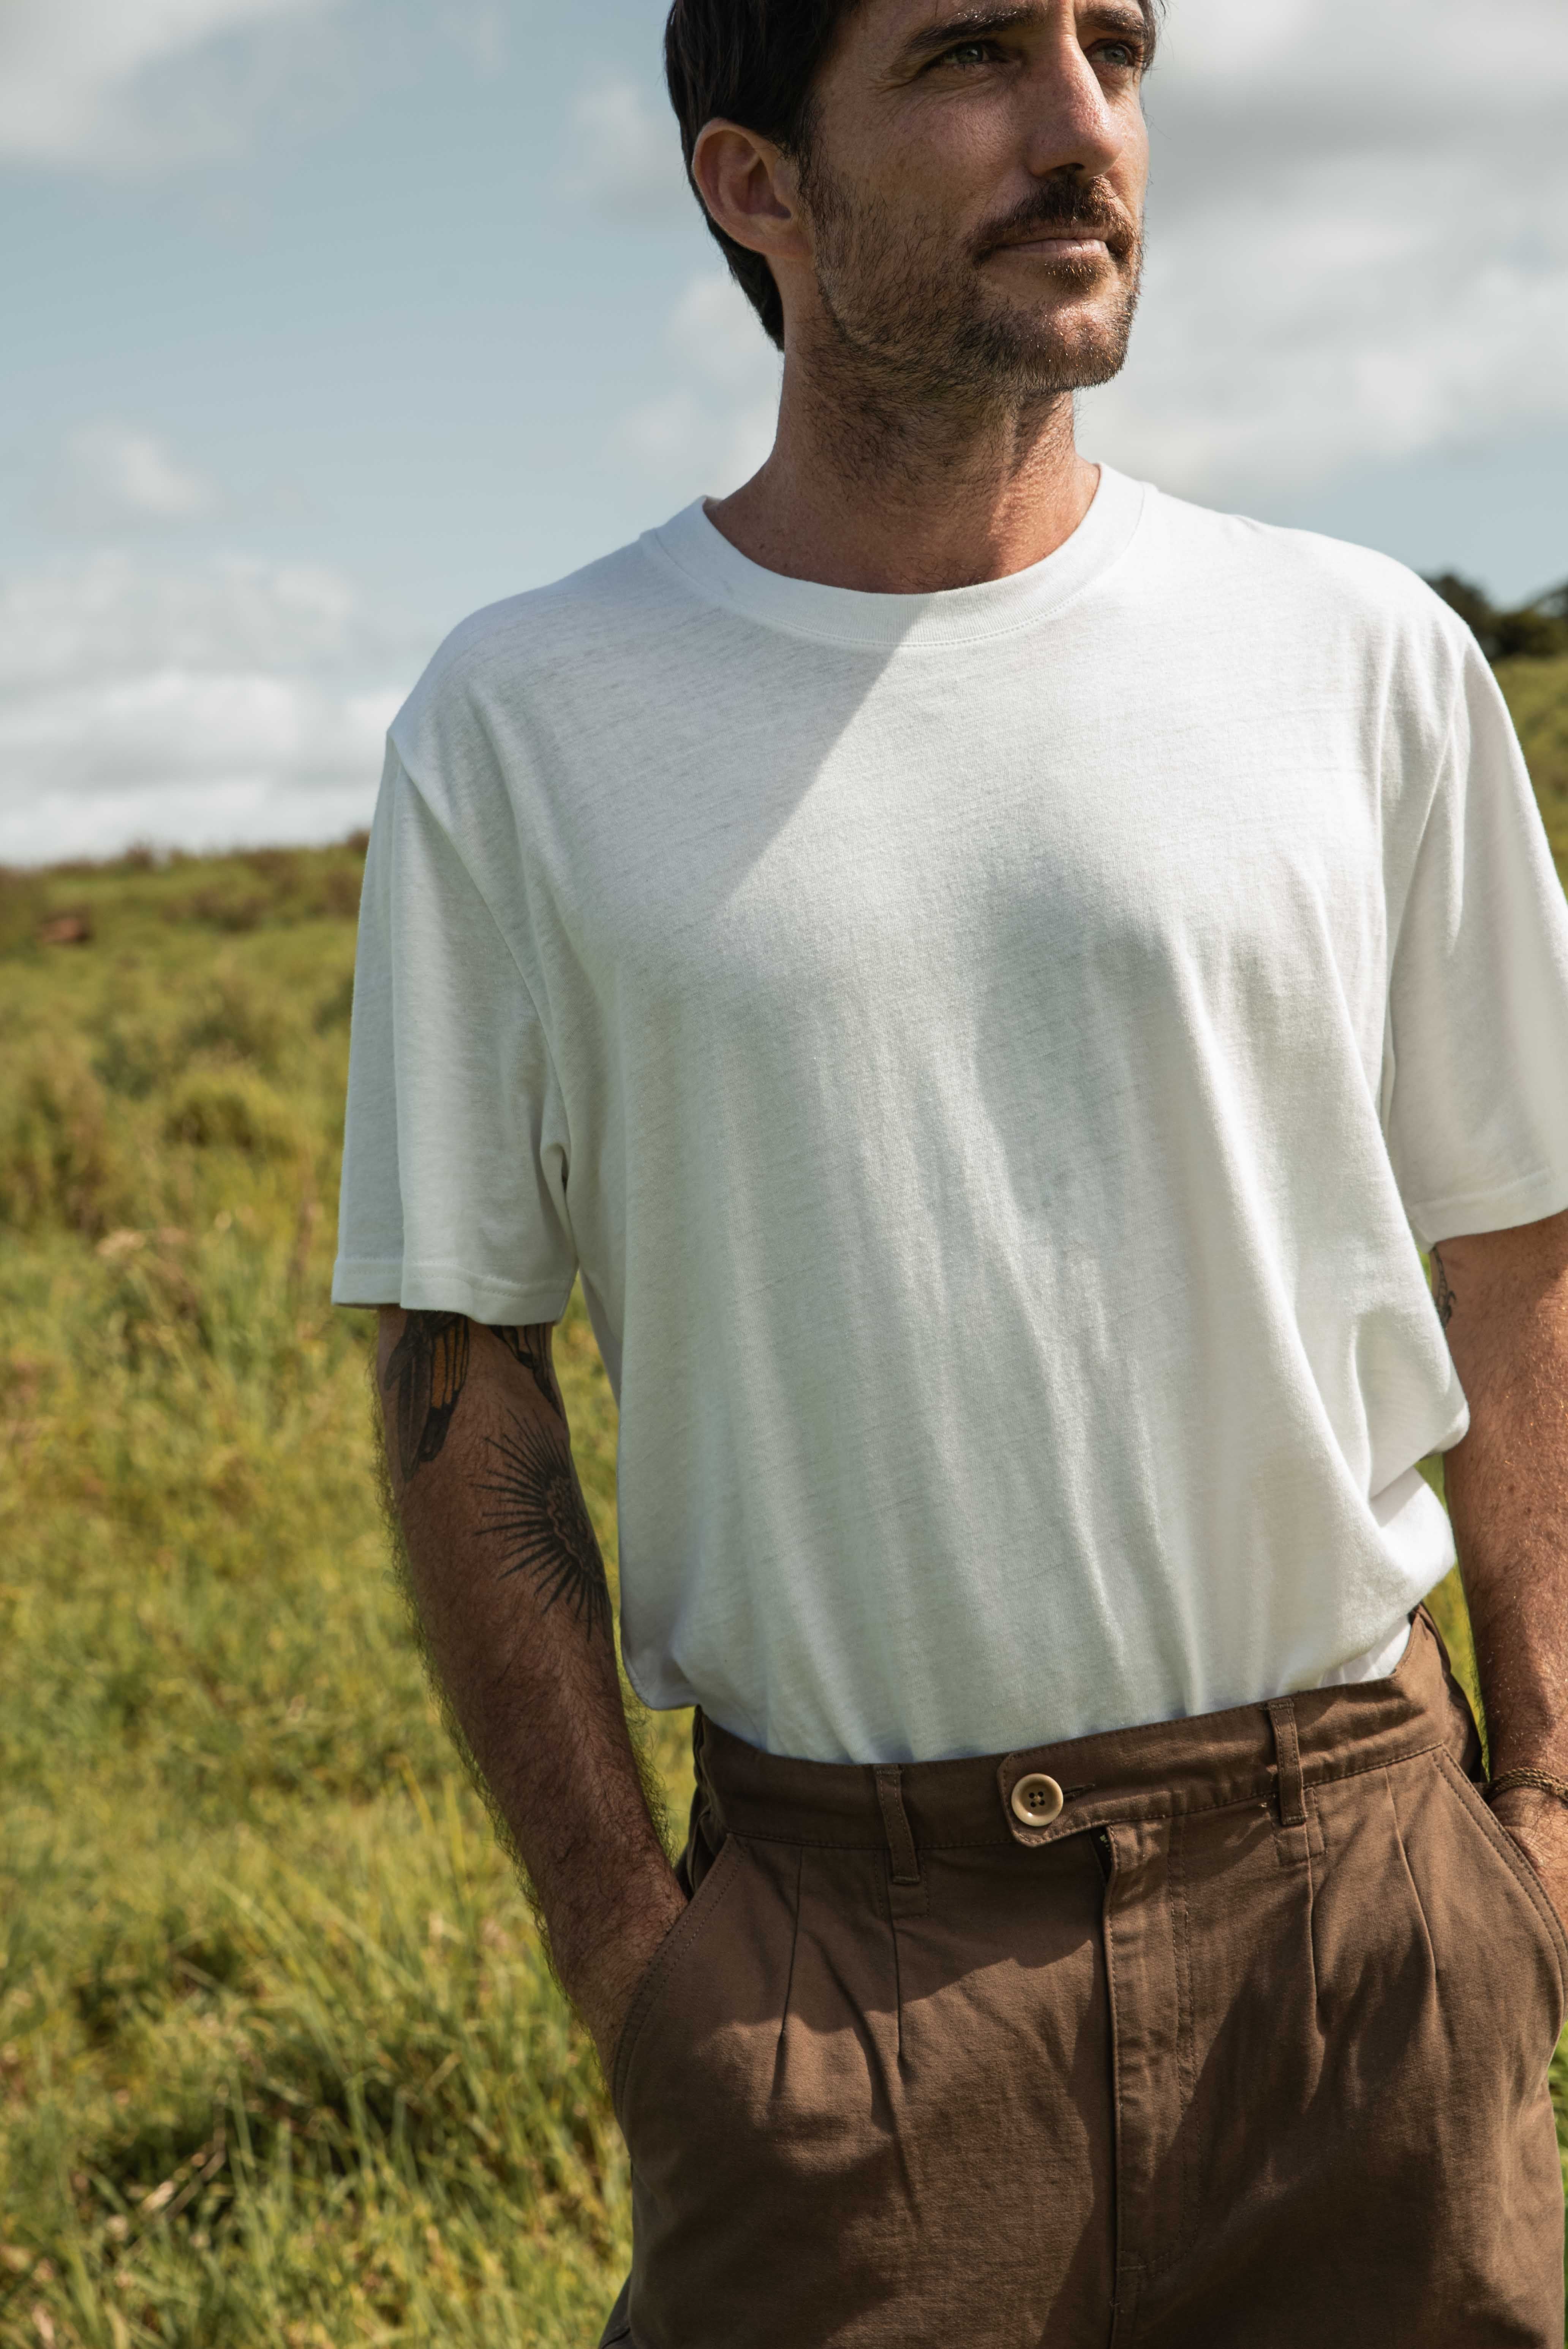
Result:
[{"x": 751, "y": 189}]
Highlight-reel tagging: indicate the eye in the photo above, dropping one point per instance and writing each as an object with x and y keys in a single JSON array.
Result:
[
  {"x": 968, "y": 53},
  {"x": 1125, "y": 57}
]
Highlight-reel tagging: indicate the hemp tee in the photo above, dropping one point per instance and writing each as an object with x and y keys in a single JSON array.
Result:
[{"x": 993, "y": 1058}]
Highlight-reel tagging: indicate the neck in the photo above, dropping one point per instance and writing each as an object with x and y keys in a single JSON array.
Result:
[{"x": 907, "y": 497}]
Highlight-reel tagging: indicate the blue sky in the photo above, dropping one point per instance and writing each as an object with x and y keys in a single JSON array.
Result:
[{"x": 329, "y": 320}]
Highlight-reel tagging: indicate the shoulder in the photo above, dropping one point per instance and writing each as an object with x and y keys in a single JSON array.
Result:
[
  {"x": 590, "y": 612},
  {"x": 1326, "y": 593},
  {"x": 507, "y": 677}
]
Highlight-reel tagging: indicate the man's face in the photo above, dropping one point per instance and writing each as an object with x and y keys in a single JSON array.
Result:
[{"x": 974, "y": 182}]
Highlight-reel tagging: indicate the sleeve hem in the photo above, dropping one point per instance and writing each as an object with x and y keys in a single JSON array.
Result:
[
  {"x": 1528, "y": 1201},
  {"x": 447, "y": 1288}
]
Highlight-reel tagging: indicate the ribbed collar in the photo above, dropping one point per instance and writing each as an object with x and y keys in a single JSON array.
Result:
[{"x": 721, "y": 574}]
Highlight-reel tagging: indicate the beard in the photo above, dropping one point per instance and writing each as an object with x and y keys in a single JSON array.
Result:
[{"x": 914, "y": 317}]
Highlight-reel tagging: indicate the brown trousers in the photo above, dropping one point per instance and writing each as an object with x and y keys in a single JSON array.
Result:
[{"x": 1249, "y": 2046}]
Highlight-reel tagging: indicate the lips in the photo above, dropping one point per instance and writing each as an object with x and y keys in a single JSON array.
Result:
[
  {"x": 1055, "y": 236},
  {"x": 1053, "y": 223}
]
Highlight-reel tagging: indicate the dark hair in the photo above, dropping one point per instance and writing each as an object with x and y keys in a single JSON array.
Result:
[{"x": 752, "y": 62}]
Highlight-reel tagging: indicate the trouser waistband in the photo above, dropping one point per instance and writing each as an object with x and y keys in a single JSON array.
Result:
[{"x": 1275, "y": 1753}]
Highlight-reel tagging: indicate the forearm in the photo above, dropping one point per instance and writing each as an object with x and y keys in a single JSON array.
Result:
[
  {"x": 1505, "y": 1303},
  {"x": 511, "y": 1595}
]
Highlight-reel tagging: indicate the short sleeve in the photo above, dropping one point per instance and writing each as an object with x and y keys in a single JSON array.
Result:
[
  {"x": 455, "y": 1147},
  {"x": 1476, "y": 1089}
]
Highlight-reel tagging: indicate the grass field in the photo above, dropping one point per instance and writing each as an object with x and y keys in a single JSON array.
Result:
[
  {"x": 1537, "y": 694},
  {"x": 279, "y": 2060}
]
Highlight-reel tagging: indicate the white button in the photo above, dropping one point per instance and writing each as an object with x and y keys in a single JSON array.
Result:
[{"x": 1037, "y": 1800}]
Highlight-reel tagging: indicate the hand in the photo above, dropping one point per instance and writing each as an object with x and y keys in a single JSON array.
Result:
[
  {"x": 1538, "y": 1822},
  {"x": 600, "y": 1974}
]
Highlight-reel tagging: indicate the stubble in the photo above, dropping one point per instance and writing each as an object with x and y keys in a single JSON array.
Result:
[{"x": 917, "y": 344}]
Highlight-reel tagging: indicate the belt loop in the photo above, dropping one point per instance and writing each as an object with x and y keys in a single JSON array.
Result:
[
  {"x": 1299, "y": 1837},
  {"x": 903, "y": 1860},
  {"x": 906, "y": 1890},
  {"x": 1287, "y": 1758}
]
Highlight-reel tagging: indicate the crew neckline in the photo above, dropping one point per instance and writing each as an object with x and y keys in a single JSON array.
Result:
[{"x": 693, "y": 547}]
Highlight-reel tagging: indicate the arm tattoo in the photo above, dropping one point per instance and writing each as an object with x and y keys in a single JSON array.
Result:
[
  {"x": 425, "y": 1371},
  {"x": 428, "y": 1368},
  {"x": 1444, "y": 1297},
  {"x": 531, "y": 1348},
  {"x": 541, "y": 1521}
]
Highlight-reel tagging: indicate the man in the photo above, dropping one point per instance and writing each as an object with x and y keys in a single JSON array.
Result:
[{"x": 991, "y": 976}]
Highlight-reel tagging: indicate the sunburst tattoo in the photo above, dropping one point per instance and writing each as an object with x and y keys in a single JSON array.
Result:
[{"x": 542, "y": 1524}]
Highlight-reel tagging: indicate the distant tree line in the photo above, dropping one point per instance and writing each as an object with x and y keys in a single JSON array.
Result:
[{"x": 1537, "y": 631}]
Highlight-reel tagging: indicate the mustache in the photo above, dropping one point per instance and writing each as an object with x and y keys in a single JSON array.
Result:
[{"x": 1065, "y": 203}]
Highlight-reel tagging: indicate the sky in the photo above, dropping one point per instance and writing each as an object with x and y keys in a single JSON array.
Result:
[{"x": 329, "y": 320}]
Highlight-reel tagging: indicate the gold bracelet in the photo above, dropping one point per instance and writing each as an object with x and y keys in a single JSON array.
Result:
[{"x": 1539, "y": 1778}]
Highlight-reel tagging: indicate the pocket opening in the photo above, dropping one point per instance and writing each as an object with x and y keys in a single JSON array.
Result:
[
  {"x": 1473, "y": 1805},
  {"x": 661, "y": 1968}
]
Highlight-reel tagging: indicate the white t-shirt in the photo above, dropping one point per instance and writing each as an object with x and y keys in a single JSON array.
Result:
[{"x": 992, "y": 1057}]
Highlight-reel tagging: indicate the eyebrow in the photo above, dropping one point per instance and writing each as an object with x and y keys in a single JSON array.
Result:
[{"x": 980, "y": 22}]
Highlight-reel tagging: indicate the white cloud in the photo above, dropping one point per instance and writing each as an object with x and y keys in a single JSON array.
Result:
[
  {"x": 109, "y": 617},
  {"x": 714, "y": 331},
  {"x": 72, "y": 72},
  {"x": 113, "y": 473},
  {"x": 712, "y": 429},
  {"x": 691, "y": 451},
  {"x": 236, "y": 701},
  {"x": 626, "y": 156},
  {"x": 1382, "y": 66},
  {"x": 210, "y": 816},
  {"x": 1358, "y": 240},
  {"x": 174, "y": 726}
]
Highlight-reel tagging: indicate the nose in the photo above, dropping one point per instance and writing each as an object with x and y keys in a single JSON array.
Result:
[{"x": 1071, "y": 124}]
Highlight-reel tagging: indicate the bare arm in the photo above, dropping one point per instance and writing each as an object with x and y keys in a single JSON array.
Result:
[
  {"x": 511, "y": 1595},
  {"x": 1503, "y": 1299}
]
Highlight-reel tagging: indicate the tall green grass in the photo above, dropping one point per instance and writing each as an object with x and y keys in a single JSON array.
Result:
[
  {"x": 280, "y": 2060},
  {"x": 1537, "y": 693}
]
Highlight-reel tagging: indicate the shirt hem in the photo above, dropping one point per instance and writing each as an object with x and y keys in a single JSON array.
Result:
[
  {"x": 445, "y": 1289},
  {"x": 652, "y": 1689}
]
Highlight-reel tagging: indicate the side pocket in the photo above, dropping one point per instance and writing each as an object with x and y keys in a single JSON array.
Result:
[
  {"x": 682, "y": 1937},
  {"x": 1547, "y": 1921}
]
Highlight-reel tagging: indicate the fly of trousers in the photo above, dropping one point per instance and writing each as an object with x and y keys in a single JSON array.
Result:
[{"x": 1227, "y": 2030}]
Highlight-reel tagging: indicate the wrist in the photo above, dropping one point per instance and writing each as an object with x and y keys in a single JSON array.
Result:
[
  {"x": 1542, "y": 1782},
  {"x": 601, "y": 1938},
  {"x": 610, "y": 1949}
]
